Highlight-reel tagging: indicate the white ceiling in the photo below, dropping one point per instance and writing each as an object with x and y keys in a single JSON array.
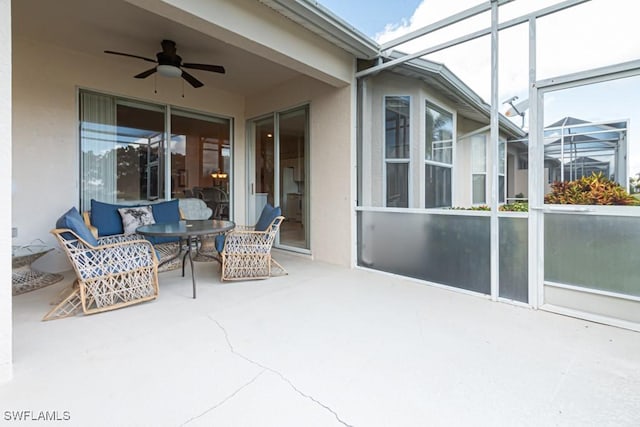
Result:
[{"x": 92, "y": 26}]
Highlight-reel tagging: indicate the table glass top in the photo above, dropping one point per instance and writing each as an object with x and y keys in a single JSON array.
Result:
[{"x": 187, "y": 228}]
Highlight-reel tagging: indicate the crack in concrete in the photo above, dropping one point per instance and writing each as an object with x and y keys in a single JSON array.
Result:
[
  {"x": 225, "y": 399},
  {"x": 285, "y": 379}
]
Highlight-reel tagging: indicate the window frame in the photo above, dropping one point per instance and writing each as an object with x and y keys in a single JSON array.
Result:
[
  {"x": 474, "y": 173},
  {"x": 502, "y": 197},
  {"x": 390, "y": 160},
  {"x": 442, "y": 109}
]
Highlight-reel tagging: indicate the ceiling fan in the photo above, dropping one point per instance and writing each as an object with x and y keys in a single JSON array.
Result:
[{"x": 170, "y": 64}]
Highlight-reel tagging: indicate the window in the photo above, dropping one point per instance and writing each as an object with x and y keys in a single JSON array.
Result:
[
  {"x": 125, "y": 155},
  {"x": 502, "y": 166},
  {"x": 396, "y": 150},
  {"x": 438, "y": 157},
  {"x": 479, "y": 169}
]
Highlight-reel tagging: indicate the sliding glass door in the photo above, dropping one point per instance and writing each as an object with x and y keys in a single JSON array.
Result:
[
  {"x": 278, "y": 173},
  {"x": 201, "y": 160},
  {"x": 125, "y": 157}
]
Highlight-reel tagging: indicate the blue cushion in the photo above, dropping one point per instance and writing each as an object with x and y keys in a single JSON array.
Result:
[
  {"x": 269, "y": 213},
  {"x": 106, "y": 218},
  {"x": 220, "y": 242},
  {"x": 163, "y": 213},
  {"x": 73, "y": 221}
]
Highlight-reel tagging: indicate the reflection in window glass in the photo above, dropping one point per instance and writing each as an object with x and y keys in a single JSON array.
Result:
[
  {"x": 439, "y": 143},
  {"x": 200, "y": 159},
  {"x": 438, "y": 186},
  {"x": 438, "y": 156},
  {"x": 397, "y": 137},
  {"x": 397, "y": 185},
  {"x": 124, "y": 151},
  {"x": 397, "y": 150}
]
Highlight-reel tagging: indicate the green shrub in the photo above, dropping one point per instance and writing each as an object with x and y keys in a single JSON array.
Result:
[
  {"x": 515, "y": 207},
  {"x": 590, "y": 190},
  {"x": 472, "y": 208}
]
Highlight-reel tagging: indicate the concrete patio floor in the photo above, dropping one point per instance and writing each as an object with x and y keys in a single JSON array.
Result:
[{"x": 322, "y": 346}]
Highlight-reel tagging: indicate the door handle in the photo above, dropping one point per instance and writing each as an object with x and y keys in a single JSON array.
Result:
[{"x": 252, "y": 189}]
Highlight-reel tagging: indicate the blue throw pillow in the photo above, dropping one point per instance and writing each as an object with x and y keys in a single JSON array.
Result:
[
  {"x": 269, "y": 213},
  {"x": 163, "y": 213},
  {"x": 106, "y": 218},
  {"x": 74, "y": 222}
]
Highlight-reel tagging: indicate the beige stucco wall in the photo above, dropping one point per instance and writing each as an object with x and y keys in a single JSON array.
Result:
[
  {"x": 331, "y": 112},
  {"x": 5, "y": 192},
  {"x": 45, "y": 121}
]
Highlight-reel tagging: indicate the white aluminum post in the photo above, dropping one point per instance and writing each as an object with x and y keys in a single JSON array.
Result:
[
  {"x": 493, "y": 153},
  {"x": 536, "y": 185}
]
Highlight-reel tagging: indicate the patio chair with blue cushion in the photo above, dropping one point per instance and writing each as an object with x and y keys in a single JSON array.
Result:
[
  {"x": 245, "y": 252},
  {"x": 111, "y": 271}
]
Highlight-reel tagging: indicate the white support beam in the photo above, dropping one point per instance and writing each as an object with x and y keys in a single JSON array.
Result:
[
  {"x": 443, "y": 23},
  {"x": 536, "y": 180},
  {"x": 493, "y": 154}
]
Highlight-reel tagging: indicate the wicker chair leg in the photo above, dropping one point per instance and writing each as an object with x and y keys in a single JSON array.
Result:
[
  {"x": 69, "y": 306},
  {"x": 278, "y": 267}
]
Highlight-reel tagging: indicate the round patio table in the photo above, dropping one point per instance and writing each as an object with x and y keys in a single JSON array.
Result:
[{"x": 189, "y": 231}]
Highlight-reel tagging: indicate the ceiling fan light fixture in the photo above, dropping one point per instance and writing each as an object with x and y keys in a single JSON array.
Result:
[{"x": 169, "y": 71}]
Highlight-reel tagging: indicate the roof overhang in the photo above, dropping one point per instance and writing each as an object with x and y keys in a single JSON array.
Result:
[{"x": 321, "y": 21}]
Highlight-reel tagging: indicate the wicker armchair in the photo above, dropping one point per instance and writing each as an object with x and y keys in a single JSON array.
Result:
[
  {"x": 247, "y": 253},
  {"x": 120, "y": 271}
]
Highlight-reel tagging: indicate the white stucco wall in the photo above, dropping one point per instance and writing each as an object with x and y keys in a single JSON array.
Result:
[
  {"x": 45, "y": 121},
  {"x": 5, "y": 192},
  {"x": 331, "y": 136}
]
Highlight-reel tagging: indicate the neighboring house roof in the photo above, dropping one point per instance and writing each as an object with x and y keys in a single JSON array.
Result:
[{"x": 587, "y": 135}]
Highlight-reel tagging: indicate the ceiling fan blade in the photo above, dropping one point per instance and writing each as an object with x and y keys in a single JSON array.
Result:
[
  {"x": 146, "y": 74},
  {"x": 206, "y": 67},
  {"x": 130, "y": 55},
  {"x": 192, "y": 80}
]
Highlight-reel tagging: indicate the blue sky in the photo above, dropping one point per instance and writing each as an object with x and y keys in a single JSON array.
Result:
[{"x": 371, "y": 16}]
